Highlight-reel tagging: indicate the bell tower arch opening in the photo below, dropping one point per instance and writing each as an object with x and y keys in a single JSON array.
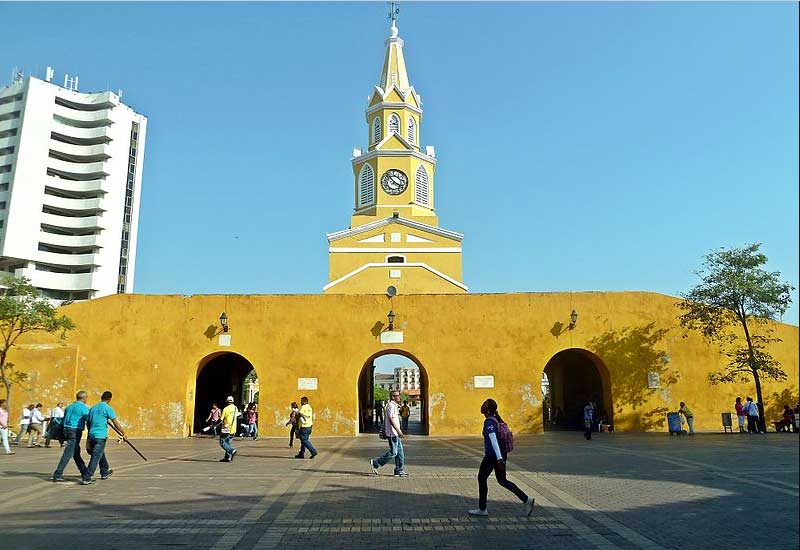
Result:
[
  {"x": 219, "y": 375},
  {"x": 387, "y": 371},
  {"x": 570, "y": 379}
]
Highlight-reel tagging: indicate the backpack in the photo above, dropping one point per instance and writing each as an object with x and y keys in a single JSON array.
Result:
[{"x": 505, "y": 437}]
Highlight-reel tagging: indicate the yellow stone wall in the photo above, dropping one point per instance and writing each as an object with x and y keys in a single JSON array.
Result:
[{"x": 146, "y": 349}]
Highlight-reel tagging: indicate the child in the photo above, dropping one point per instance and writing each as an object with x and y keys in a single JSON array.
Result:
[{"x": 294, "y": 418}]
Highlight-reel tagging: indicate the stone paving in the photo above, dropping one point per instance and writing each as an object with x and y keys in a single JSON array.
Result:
[{"x": 617, "y": 491}]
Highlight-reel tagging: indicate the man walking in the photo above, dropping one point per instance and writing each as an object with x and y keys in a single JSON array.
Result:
[
  {"x": 306, "y": 422},
  {"x": 74, "y": 424},
  {"x": 394, "y": 435},
  {"x": 588, "y": 419},
  {"x": 35, "y": 426},
  {"x": 751, "y": 409},
  {"x": 405, "y": 412},
  {"x": 97, "y": 420},
  {"x": 688, "y": 415},
  {"x": 228, "y": 429},
  {"x": 4, "y": 427},
  {"x": 54, "y": 418},
  {"x": 24, "y": 422}
]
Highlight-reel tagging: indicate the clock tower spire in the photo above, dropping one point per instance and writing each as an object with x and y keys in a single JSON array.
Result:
[{"x": 394, "y": 183}]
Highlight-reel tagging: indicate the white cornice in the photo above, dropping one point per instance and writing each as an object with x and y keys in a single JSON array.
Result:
[
  {"x": 446, "y": 250},
  {"x": 337, "y": 235},
  {"x": 397, "y": 266},
  {"x": 393, "y": 153},
  {"x": 394, "y": 105}
]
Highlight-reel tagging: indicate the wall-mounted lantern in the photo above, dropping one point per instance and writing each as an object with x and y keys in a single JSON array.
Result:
[
  {"x": 573, "y": 319},
  {"x": 390, "y": 316},
  {"x": 223, "y": 321}
]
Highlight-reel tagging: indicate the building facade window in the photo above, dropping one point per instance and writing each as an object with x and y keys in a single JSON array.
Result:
[
  {"x": 366, "y": 186},
  {"x": 376, "y": 130},
  {"x": 394, "y": 123},
  {"x": 421, "y": 187},
  {"x": 122, "y": 276},
  {"x": 412, "y": 131}
]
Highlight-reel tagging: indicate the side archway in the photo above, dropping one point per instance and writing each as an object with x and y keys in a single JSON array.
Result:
[
  {"x": 571, "y": 378},
  {"x": 403, "y": 379},
  {"x": 219, "y": 375}
]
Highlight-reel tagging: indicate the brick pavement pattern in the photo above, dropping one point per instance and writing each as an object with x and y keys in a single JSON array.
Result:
[{"x": 617, "y": 491}]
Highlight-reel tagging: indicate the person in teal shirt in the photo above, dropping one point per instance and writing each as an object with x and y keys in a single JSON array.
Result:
[
  {"x": 74, "y": 424},
  {"x": 97, "y": 423}
]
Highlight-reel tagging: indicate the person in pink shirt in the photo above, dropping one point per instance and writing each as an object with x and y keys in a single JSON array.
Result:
[
  {"x": 740, "y": 414},
  {"x": 4, "y": 427}
]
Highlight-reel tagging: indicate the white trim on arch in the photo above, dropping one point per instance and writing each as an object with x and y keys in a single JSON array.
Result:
[{"x": 413, "y": 264}]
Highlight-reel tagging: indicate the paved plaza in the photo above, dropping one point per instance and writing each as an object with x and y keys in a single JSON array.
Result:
[{"x": 617, "y": 491}]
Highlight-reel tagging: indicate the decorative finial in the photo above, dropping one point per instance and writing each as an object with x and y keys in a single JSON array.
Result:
[{"x": 394, "y": 11}]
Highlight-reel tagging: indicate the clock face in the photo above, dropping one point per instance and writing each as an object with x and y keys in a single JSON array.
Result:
[{"x": 394, "y": 182}]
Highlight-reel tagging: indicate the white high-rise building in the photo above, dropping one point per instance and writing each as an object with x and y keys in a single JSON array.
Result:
[{"x": 70, "y": 181}]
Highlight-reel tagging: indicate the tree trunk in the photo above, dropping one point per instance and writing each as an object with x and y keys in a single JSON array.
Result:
[
  {"x": 8, "y": 395},
  {"x": 760, "y": 400},
  {"x": 754, "y": 368}
]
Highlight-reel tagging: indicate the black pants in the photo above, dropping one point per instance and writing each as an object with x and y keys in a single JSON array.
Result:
[
  {"x": 292, "y": 434},
  {"x": 487, "y": 465},
  {"x": 752, "y": 424}
]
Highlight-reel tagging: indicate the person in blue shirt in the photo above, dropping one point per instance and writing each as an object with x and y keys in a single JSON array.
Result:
[
  {"x": 74, "y": 424},
  {"x": 495, "y": 460},
  {"x": 97, "y": 422}
]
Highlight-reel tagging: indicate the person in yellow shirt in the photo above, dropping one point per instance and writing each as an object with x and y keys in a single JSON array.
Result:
[
  {"x": 228, "y": 429},
  {"x": 306, "y": 422}
]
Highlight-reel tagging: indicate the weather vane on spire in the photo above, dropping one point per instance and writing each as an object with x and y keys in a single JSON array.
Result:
[{"x": 394, "y": 11}]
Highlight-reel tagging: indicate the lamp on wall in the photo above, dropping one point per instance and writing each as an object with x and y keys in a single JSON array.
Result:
[
  {"x": 223, "y": 321},
  {"x": 391, "y": 319},
  {"x": 573, "y": 319}
]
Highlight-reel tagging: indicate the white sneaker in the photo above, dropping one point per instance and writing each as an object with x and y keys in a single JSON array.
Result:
[
  {"x": 529, "y": 506},
  {"x": 372, "y": 465},
  {"x": 478, "y": 512}
]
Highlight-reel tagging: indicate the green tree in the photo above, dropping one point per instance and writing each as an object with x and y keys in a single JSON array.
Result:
[
  {"x": 380, "y": 394},
  {"x": 23, "y": 310},
  {"x": 732, "y": 307}
]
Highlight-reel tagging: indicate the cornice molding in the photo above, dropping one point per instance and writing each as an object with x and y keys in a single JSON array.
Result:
[{"x": 337, "y": 235}]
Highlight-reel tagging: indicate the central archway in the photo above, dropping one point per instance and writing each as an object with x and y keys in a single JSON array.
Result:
[
  {"x": 407, "y": 375},
  {"x": 219, "y": 375},
  {"x": 570, "y": 379}
]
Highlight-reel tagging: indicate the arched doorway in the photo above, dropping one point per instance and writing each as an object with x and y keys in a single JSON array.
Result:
[
  {"x": 570, "y": 379},
  {"x": 393, "y": 370},
  {"x": 218, "y": 376}
]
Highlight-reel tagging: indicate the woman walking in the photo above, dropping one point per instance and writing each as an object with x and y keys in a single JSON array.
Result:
[
  {"x": 740, "y": 414},
  {"x": 252, "y": 421},
  {"x": 213, "y": 420},
  {"x": 494, "y": 460},
  {"x": 294, "y": 418}
]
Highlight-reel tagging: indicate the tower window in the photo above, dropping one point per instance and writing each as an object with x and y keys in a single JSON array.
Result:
[
  {"x": 395, "y": 260},
  {"x": 412, "y": 131},
  {"x": 421, "y": 191},
  {"x": 376, "y": 130},
  {"x": 394, "y": 124},
  {"x": 366, "y": 186}
]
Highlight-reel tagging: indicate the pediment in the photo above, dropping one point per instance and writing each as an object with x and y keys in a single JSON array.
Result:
[{"x": 394, "y": 141}]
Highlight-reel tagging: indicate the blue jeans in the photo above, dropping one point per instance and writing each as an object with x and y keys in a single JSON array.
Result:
[
  {"x": 305, "y": 433},
  {"x": 395, "y": 451},
  {"x": 225, "y": 443},
  {"x": 96, "y": 447},
  {"x": 72, "y": 450},
  {"x": 404, "y": 424}
]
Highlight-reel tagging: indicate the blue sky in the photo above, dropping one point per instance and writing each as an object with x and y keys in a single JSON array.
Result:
[{"x": 581, "y": 146}]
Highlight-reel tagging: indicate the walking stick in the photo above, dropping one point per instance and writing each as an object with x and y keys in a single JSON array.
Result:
[{"x": 121, "y": 439}]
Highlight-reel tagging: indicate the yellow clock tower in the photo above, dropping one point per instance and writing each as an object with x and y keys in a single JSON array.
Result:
[{"x": 394, "y": 237}]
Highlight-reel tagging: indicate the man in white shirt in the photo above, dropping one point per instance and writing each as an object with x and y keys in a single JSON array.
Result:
[
  {"x": 394, "y": 436},
  {"x": 55, "y": 416},
  {"x": 35, "y": 427},
  {"x": 24, "y": 423}
]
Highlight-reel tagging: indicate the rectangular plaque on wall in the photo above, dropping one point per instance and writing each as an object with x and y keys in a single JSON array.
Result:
[
  {"x": 653, "y": 380},
  {"x": 484, "y": 381},
  {"x": 224, "y": 339},
  {"x": 392, "y": 337},
  {"x": 306, "y": 383}
]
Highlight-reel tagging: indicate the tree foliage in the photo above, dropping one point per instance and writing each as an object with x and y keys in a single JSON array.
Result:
[
  {"x": 732, "y": 306},
  {"x": 23, "y": 310},
  {"x": 380, "y": 394}
]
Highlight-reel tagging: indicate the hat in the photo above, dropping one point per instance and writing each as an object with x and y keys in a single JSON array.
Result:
[{"x": 230, "y": 399}]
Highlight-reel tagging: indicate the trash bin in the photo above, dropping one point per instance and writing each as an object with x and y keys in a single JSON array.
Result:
[{"x": 674, "y": 423}]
